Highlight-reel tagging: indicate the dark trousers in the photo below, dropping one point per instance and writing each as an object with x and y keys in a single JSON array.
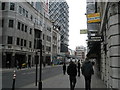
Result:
[
  {"x": 88, "y": 83},
  {"x": 78, "y": 72},
  {"x": 8, "y": 65},
  {"x": 72, "y": 82},
  {"x": 64, "y": 71}
]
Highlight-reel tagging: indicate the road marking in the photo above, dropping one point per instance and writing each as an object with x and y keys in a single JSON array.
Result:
[{"x": 28, "y": 73}]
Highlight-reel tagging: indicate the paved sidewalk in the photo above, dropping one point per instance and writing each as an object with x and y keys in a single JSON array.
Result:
[{"x": 62, "y": 81}]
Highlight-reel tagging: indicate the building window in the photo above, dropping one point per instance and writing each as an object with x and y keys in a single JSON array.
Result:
[
  {"x": 18, "y": 41},
  {"x": 49, "y": 38},
  {"x": 22, "y": 27},
  {"x": 42, "y": 47},
  {"x": 20, "y": 9},
  {"x": 43, "y": 36},
  {"x": 31, "y": 17},
  {"x": 25, "y": 43},
  {"x": 30, "y": 30},
  {"x": 40, "y": 23},
  {"x": 3, "y": 6},
  {"x": 48, "y": 48},
  {"x": 49, "y": 29},
  {"x": 11, "y": 22},
  {"x": 27, "y": 14},
  {"x": 9, "y": 40},
  {"x": 23, "y": 11},
  {"x": 25, "y": 28},
  {"x": 30, "y": 44},
  {"x": 32, "y": 3},
  {"x": 21, "y": 42},
  {"x": 18, "y": 25},
  {"x": 35, "y": 21},
  {"x": 12, "y": 6}
]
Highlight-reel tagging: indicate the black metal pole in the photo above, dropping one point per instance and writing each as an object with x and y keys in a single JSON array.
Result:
[
  {"x": 40, "y": 72},
  {"x": 36, "y": 74},
  {"x": 13, "y": 85},
  {"x": 36, "y": 62}
]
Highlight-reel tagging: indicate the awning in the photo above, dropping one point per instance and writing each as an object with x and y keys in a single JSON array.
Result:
[{"x": 95, "y": 50}]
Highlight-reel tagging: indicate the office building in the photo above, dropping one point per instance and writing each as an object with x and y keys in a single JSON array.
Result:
[
  {"x": 59, "y": 13},
  {"x": 24, "y": 24}
]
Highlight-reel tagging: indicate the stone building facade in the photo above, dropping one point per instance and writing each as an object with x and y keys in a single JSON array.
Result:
[
  {"x": 24, "y": 24},
  {"x": 110, "y": 47},
  {"x": 108, "y": 57}
]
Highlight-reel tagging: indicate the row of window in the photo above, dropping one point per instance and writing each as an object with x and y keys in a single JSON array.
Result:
[
  {"x": 20, "y": 26},
  {"x": 23, "y": 12},
  {"x": 19, "y": 41},
  {"x": 12, "y": 6},
  {"x": 49, "y": 38},
  {"x": 23, "y": 27},
  {"x": 48, "y": 48},
  {"x": 23, "y": 42}
]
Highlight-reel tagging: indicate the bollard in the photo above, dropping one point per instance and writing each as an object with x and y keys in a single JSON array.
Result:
[{"x": 13, "y": 85}]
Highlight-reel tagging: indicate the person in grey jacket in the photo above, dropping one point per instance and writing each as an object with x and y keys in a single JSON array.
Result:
[{"x": 87, "y": 71}]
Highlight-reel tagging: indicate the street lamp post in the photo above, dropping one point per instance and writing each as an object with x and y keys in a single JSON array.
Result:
[
  {"x": 40, "y": 70},
  {"x": 36, "y": 62}
]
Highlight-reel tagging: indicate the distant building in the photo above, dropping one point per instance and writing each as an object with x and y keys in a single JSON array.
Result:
[
  {"x": 71, "y": 52},
  {"x": 80, "y": 52}
]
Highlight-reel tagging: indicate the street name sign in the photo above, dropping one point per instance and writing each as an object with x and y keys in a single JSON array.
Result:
[{"x": 83, "y": 31}]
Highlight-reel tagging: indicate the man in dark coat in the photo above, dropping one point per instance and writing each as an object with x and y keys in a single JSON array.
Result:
[
  {"x": 87, "y": 71},
  {"x": 79, "y": 68},
  {"x": 64, "y": 68},
  {"x": 72, "y": 72}
]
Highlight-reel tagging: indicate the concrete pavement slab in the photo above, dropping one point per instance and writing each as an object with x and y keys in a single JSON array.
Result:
[{"x": 62, "y": 81}]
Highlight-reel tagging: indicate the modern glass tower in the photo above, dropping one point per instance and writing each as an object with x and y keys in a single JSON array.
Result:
[{"x": 59, "y": 13}]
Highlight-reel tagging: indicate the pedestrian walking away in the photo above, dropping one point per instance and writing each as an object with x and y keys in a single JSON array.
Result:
[
  {"x": 78, "y": 68},
  {"x": 72, "y": 72},
  {"x": 64, "y": 68},
  {"x": 8, "y": 64},
  {"x": 87, "y": 71},
  {"x": 29, "y": 64}
]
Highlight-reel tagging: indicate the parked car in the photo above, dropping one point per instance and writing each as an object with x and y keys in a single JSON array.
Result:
[{"x": 24, "y": 65}]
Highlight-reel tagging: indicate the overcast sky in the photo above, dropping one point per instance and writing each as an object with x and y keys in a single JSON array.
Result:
[{"x": 77, "y": 21}]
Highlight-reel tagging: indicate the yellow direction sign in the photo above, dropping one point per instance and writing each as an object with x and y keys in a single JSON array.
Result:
[{"x": 93, "y": 17}]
